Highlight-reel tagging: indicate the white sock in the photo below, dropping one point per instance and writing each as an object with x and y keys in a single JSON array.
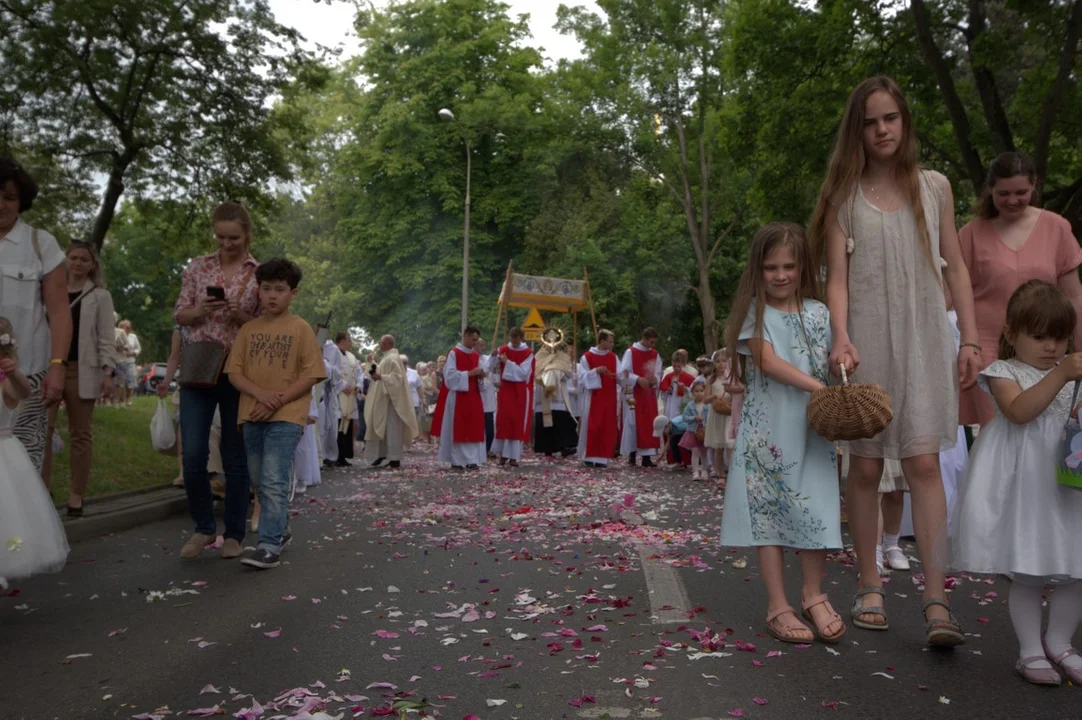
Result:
[
  {"x": 1064, "y": 615},
  {"x": 890, "y": 541},
  {"x": 1024, "y": 604},
  {"x": 879, "y": 559}
]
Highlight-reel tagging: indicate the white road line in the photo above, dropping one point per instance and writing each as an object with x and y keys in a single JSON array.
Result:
[{"x": 665, "y": 587}]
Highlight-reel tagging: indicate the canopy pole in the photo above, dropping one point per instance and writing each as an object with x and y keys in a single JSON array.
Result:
[
  {"x": 590, "y": 295},
  {"x": 574, "y": 336},
  {"x": 503, "y": 304}
]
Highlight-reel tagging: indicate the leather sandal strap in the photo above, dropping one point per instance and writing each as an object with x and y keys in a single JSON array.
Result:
[
  {"x": 1025, "y": 662},
  {"x": 813, "y": 601},
  {"x": 778, "y": 613},
  {"x": 1058, "y": 659},
  {"x": 873, "y": 590}
]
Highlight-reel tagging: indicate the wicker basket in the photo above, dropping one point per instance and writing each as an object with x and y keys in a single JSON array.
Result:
[{"x": 849, "y": 412}]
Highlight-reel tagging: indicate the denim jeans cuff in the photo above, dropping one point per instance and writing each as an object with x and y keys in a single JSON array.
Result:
[{"x": 276, "y": 549}]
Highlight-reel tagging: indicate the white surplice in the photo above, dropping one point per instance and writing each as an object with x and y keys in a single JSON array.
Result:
[
  {"x": 306, "y": 458},
  {"x": 589, "y": 381},
  {"x": 514, "y": 372},
  {"x": 629, "y": 439},
  {"x": 330, "y": 412},
  {"x": 458, "y": 454}
]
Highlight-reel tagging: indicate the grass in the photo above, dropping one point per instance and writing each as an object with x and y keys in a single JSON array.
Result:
[{"x": 124, "y": 459}]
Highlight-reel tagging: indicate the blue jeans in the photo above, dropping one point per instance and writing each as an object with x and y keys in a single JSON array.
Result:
[
  {"x": 196, "y": 416},
  {"x": 271, "y": 447}
]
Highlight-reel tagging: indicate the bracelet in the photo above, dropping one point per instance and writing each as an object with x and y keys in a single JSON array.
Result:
[
  {"x": 975, "y": 346},
  {"x": 57, "y": 361}
]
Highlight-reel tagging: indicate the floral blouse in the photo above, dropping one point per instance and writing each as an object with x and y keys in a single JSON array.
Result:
[{"x": 204, "y": 272}]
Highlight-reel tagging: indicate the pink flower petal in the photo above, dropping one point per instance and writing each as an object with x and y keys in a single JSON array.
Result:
[
  {"x": 759, "y": 701},
  {"x": 273, "y": 633},
  {"x": 386, "y": 634}
]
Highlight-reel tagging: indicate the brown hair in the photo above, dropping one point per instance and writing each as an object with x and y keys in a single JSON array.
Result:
[
  {"x": 848, "y": 160},
  {"x": 8, "y": 350},
  {"x": 516, "y": 333},
  {"x": 96, "y": 275},
  {"x": 1006, "y": 165},
  {"x": 603, "y": 335},
  {"x": 1038, "y": 309},
  {"x": 230, "y": 211},
  {"x": 680, "y": 356},
  {"x": 752, "y": 291},
  {"x": 649, "y": 333}
]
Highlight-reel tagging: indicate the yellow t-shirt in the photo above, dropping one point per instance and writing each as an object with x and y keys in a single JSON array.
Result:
[{"x": 274, "y": 353}]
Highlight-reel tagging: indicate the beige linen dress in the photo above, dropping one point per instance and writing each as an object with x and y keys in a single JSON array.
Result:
[
  {"x": 898, "y": 323},
  {"x": 717, "y": 426}
]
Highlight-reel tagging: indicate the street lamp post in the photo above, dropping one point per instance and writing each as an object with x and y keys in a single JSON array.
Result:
[{"x": 449, "y": 116}]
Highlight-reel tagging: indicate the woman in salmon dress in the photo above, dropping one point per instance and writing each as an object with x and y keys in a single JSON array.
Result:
[{"x": 1008, "y": 243}]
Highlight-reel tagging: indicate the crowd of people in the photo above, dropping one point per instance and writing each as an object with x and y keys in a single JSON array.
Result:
[{"x": 970, "y": 333}]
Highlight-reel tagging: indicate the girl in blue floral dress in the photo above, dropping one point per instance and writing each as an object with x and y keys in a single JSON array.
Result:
[{"x": 783, "y": 484}]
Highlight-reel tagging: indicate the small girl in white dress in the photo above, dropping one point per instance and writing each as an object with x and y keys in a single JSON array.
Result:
[
  {"x": 32, "y": 539},
  {"x": 1012, "y": 516}
]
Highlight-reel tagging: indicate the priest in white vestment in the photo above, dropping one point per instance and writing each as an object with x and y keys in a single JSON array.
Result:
[
  {"x": 389, "y": 417},
  {"x": 330, "y": 413}
]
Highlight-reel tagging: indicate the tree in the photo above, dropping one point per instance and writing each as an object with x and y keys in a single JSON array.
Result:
[
  {"x": 657, "y": 78},
  {"x": 154, "y": 95},
  {"x": 398, "y": 180},
  {"x": 1023, "y": 88}
]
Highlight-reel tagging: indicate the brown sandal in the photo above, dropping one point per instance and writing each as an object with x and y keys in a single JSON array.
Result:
[
  {"x": 783, "y": 633},
  {"x": 807, "y": 605}
]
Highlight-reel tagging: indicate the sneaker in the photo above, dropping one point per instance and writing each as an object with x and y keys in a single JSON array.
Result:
[
  {"x": 895, "y": 558},
  {"x": 231, "y": 549},
  {"x": 262, "y": 559},
  {"x": 286, "y": 538},
  {"x": 377, "y": 462},
  {"x": 195, "y": 545},
  {"x": 394, "y": 464}
]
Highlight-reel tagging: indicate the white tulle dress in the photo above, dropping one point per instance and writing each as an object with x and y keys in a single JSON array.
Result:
[
  {"x": 1012, "y": 516},
  {"x": 32, "y": 539}
]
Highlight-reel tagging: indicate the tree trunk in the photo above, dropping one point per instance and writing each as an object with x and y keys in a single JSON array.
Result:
[
  {"x": 114, "y": 188},
  {"x": 955, "y": 109},
  {"x": 709, "y": 310},
  {"x": 1054, "y": 99}
]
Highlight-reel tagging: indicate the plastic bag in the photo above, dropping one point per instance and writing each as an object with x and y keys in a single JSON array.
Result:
[{"x": 162, "y": 434}]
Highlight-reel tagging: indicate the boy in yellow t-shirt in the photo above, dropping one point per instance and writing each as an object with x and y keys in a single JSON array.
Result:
[{"x": 274, "y": 363}]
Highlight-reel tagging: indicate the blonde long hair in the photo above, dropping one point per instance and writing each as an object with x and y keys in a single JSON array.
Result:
[
  {"x": 97, "y": 275},
  {"x": 752, "y": 289},
  {"x": 848, "y": 161}
]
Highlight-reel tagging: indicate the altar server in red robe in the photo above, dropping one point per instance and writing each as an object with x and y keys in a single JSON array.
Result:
[
  {"x": 514, "y": 403},
  {"x": 600, "y": 423},
  {"x": 460, "y": 413},
  {"x": 640, "y": 372}
]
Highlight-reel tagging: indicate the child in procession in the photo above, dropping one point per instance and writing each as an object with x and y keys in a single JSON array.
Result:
[
  {"x": 695, "y": 420},
  {"x": 782, "y": 490},
  {"x": 274, "y": 363},
  {"x": 1013, "y": 518},
  {"x": 32, "y": 540}
]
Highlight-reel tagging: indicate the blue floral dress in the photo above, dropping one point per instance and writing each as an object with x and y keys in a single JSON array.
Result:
[{"x": 783, "y": 483}]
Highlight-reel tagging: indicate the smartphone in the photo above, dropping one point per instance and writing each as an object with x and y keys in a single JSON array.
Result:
[{"x": 218, "y": 293}]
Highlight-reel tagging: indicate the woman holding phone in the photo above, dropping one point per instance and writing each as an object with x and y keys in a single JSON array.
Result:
[{"x": 219, "y": 293}]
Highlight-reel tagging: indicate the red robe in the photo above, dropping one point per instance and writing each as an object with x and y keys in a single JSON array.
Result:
[
  {"x": 602, "y": 426},
  {"x": 514, "y": 403},
  {"x": 685, "y": 379},
  {"x": 469, "y": 420},
  {"x": 643, "y": 364}
]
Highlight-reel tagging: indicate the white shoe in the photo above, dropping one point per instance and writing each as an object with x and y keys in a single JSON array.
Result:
[{"x": 895, "y": 558}]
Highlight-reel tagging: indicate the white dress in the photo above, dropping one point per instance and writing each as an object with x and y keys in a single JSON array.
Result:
[
  {"x": 1012, "y": 516},
  {"x": 32, "y": 539}
]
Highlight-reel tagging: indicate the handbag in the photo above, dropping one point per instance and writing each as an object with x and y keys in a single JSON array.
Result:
[
  {"x": 1069, "y": 470},
  {"x": 722, "y": 405},
  {"x": 201, "y": 364}
]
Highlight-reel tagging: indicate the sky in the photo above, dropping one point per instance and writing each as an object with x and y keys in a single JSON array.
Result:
[{"x": 332, "y": 25}]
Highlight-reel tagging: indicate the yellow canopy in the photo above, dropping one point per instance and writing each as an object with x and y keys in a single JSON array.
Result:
[{"x": 544, "y": 293}]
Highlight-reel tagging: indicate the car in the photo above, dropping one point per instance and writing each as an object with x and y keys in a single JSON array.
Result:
[{"x": 151, "y": 375}]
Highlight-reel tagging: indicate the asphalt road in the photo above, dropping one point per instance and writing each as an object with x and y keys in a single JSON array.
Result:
[{"x": 501, "y": 594}]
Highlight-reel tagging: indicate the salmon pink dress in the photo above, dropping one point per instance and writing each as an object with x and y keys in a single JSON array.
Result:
[{"x": 996, "y": 271}]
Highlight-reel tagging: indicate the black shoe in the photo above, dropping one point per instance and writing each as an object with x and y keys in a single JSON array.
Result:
[
  {"x": 377, "y": 462},
  {"x": 342, "y": 462},
  {"x": 459, "y": 468},
  {"x": 286, "y": 538},
  {"x": 631, "y": 459},
  {"x": 647, "y": 462},
  {"x": 568, "y": 452},
  {"x": 75, "y": 512},
  {"x": 394, "y": 464},
  {"x": 262, "y": 559},
  {"x": 471, "y": 467},
  {"x": 592, "y": 464},
  {"x": 328, "y": 464}
]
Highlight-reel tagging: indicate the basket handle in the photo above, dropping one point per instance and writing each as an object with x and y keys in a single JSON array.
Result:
[{"x": 845, "y": 373}]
